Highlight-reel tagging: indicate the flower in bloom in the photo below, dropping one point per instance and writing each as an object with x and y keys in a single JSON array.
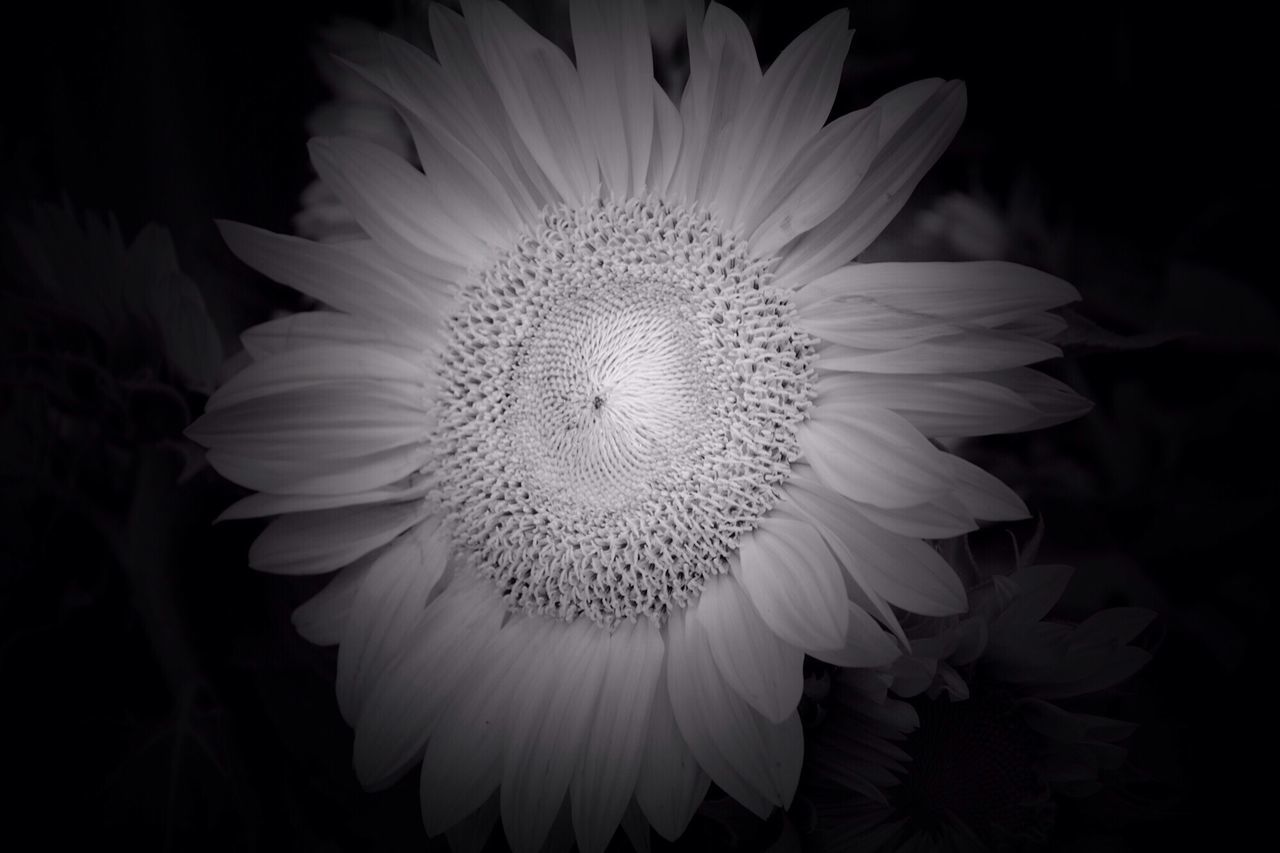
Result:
[
  {"x": 987, "y": 737},
  {"x": 604, "y": 431}
]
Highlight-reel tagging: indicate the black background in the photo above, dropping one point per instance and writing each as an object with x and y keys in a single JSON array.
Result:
[{"x": 153, "y": 692}]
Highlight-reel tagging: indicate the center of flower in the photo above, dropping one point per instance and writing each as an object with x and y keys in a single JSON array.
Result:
[
  {"x": 610, "y": 393},
  {"x": 621, "y": 394}
]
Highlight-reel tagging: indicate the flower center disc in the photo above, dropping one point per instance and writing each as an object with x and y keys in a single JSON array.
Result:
[{"x": 621, "y": 394}]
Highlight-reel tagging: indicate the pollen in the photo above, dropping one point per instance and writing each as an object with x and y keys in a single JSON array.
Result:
[{"x": 620, "y": 398}]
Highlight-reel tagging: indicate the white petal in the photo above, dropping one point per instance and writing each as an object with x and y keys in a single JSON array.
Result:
[
  {"x": 899, "y": 165},
  {"x": 949, "y": 406},
  {"x": 821, "y": 507},
  {"x": 764, "y": 670},
  {"x": 723, "y": 76},
  {"x": 873, "y": 456},
  {"x": 816, "y": 182},
  {"x": 316, "y": 542},
  {"x": 465, "y": 173},
  {"x": 409, "y": 697},
  {"x": 1055, "y": 401},
  {"x": 905, "y": 571},
  {"x": 983, "y": 495},
  {"x": 298, "y": 368},
  {"x": 942, "y": 518},
  {"x": 795, "y": 582},
  {"x": 396, "y": 204},
  {"x": 462, "y": 765},
  {"x": 668, "y": 131},
  {"x": 864, "y": 323},
  {"x": 539, "y": 88},
  {"x": 334, "y": 275},
  {"x": 264, "y": 504},
  {"x": 313, "y": 328},
  {"x": 789, "y": 106},
  {"x": 963, "y": 352},
  {"x": 321, "y": 618},
  {"x": 738, "y": 748},
  {"x": 390, "y": 601},
  {"x": 319, "y": 476},
  {"x": 342, "y": 420},
  {"x": 866, "y": 643},
  {"x": 671, "y": 785},
  {"x": 490, "y": 130},
  {"x": 969, "y": 290},
  {"x": 559, "y": 694},
  {"x": 606, "y": 778},
  {"x": 615, "y": 63}
]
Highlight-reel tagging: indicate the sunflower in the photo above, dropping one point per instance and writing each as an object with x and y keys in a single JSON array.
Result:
[
  {"x": 990, "y": 742},
  {"x": 604, "y": 432}
]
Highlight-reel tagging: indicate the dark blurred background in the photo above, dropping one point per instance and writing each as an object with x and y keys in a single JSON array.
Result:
[{"x": 154, "y": 693}]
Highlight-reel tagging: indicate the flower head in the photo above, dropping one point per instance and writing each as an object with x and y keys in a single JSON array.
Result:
[{"x": 605, "y": 432}]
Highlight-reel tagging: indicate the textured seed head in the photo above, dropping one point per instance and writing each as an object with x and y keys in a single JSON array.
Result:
[{"x": 620, "y": 396}]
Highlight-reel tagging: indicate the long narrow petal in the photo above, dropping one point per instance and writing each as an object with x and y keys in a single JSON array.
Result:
[
  {"x": 316, "y": 542},
  {"x": 334, "y": 275},
  {"x": 342, "y": 420},
  {"x": 873, "y": 456},
  {"x": 737, "y": 747},
  {"x": 319, "y": 328},
  {"x": 905, "y": 571},
  {"x": 299, "y": 368},
  {"x": 941, "y": 518},
  {"x": 816, "y": 182},
  {"x": 390, "y": 601},
  {"x": 473, "y": 93},
  {"x": 967, "y": 290},
  {"x": 671, "y": 784},
  {"x": 319, "y": 476},
  {"x": 900, "y": 164},
  {"x": 668, "y": 131},
  {"x": 866, "y": 643},
  {"x": 790, "y": 105},
  {"x": 963, "y": 352},
  {"x": 763, "y": 669},
  {"x": 795, "y": 582},
  {"x": 396, "y": 204},
  {"x": 983, "y": 495},
  {"x": 322, "y": 618},
  {"x": 817, "y": 509},
  {"x": 559, "y": 695},
  {"x": 264, "y": 503},
  {"x": 465, "y": 171},
  {"x": 723, "y": 76},
  {"x": 950, "y": 406},
  {"x": 539, "y": 89},
  {"x": 615, "y": 63},
  {"x": 606, "y": 777},
  {"x": 462, "y": 765},
  {"x": 410, "y": 695}
]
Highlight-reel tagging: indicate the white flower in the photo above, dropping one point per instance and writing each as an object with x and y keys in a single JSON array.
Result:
[{"x": 605, "y": 432}]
